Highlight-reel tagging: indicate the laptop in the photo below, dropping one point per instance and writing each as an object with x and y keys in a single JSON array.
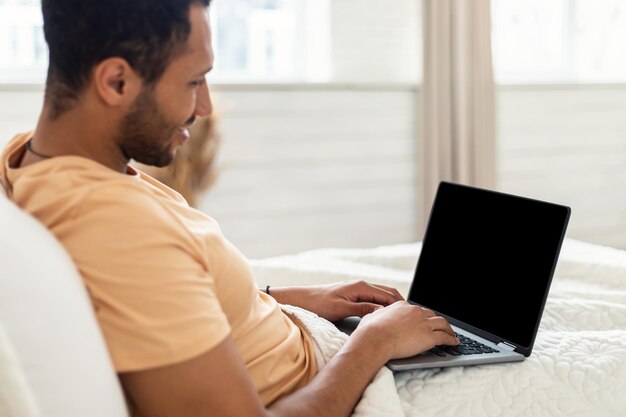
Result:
[{"x": 486, "y": 265}]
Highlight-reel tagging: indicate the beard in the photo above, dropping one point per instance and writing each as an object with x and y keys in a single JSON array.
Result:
[{"x": 145, "y": 134}]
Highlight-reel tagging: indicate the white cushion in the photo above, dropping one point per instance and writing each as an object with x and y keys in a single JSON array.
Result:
[
  {"x": 16, "y": 397},
  {"x": 46, "y": 314}
]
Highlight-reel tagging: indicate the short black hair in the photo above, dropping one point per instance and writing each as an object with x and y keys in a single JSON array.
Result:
[{"x": 82, "y": 33}]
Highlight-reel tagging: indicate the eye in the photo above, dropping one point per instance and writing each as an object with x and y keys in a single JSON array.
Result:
[{"x": 197, "y": 83}]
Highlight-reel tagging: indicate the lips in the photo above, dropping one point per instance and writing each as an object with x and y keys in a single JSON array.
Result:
[{"x": 183, "y": 134}]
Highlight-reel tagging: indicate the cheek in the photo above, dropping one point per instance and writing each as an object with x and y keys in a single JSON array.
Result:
[
  {"x": 186, "y": 106},
  {"x": 176, "y": 112},
  {"x": 177, "y": 106}
]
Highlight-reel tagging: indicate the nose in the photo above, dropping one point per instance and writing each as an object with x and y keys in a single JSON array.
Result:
[{"x": 204, "y": 106}]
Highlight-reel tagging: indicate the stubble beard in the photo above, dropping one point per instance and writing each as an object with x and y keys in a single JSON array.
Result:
[{"x": 145, "y": 135}]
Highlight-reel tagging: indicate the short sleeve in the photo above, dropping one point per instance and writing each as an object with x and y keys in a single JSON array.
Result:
[{"x": 153, "y": 295}]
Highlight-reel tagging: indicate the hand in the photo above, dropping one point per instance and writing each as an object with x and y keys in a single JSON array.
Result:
[
  {"x": 402, "y": 330},
  {"x": 336, "y": 301}
]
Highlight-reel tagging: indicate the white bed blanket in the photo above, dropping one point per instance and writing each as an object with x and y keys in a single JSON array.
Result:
[
  {"x": 380, "y": 398},
  {"x": 578, "y": 365}
]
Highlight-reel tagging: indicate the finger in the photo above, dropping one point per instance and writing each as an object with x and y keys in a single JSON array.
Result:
[
  {"x": 438, "y": 323},
  {"x": 394, "y": 292},
  {"x": 428, "y": 313},
  {"x": 375, "y": 294},
  {"x": 363, "y": 309},
  {"x": 444, "y": 338}
]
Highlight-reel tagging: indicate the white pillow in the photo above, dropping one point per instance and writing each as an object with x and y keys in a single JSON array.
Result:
[
  {"x": 16, "y": 397},
  {"x": 46, "y": 314}
]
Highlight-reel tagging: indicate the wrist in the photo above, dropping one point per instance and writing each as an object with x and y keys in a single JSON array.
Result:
[
  {"x": 367, "y": 347},
  {"x": 283, "y": 295},
  {"x": 368, "y": 343}
]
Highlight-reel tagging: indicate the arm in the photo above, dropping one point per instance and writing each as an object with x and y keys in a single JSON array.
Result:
[
  {"x": 336, "y": 301},
  {"x": 217, "y": 384}
]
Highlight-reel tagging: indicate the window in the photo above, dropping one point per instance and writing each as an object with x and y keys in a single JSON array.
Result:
[
  {"x": 559, "y": 41},
  {"x": 23, "y": 52},
  {"x": 270, "y": 40},
  {"x": 254, "y": 40}
]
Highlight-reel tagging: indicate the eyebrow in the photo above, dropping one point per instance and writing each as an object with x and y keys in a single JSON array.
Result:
[{"x": 205, "y": 71}]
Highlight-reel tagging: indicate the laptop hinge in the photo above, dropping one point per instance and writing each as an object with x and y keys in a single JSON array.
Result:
[{"x": 506, "y": 346}]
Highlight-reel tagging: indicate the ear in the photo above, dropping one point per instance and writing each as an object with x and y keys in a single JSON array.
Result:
[{"x": 116, "y": 82}]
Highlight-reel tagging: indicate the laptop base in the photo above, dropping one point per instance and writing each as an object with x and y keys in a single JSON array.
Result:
[{"x": 441, "y": 359}]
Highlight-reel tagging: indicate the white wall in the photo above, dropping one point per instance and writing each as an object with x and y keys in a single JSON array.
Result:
[
  {"x": 302, "y": 166},
  {"x": 307, "y": 167},
  {"x": 19, "y": 109},
  {"x": 568, "y": 144},
  {"x": 324, "y": 166}
]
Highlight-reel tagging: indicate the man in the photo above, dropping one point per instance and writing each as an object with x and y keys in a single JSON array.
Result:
[{"x": 187, "y": 329}]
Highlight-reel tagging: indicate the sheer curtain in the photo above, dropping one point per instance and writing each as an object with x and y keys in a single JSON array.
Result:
[{"x": 458, "y": 98}]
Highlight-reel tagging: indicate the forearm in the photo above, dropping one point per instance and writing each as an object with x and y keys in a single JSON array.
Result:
[
  {"x": 336, "y": 301},
  {"x": 337, "y": 388},
  {"x": 288, "y": 295}
]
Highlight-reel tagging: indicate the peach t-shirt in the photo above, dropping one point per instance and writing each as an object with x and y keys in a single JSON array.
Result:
[{"x": 165, "y": 284}]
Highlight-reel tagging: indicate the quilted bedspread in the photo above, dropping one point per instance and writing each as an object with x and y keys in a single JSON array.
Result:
[{"x": 578, "y": 365}]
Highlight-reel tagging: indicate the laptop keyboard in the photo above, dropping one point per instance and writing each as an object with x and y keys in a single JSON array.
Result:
[{"x": 466, "y": 347}]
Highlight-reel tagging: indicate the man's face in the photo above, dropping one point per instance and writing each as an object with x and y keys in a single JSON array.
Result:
[{"x": 156, "y": 125}]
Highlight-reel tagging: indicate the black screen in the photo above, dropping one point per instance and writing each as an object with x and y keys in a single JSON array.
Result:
[{"x": 488, "y": 259}]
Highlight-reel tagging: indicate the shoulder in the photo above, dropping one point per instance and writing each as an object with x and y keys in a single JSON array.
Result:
[
  {"x": 127, "y": 198},
  {"x": 134, "y": 215},
  {"x": 121, "y": 211}
]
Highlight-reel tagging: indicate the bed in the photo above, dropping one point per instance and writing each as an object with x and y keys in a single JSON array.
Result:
[
  {"x": 578, "y": 365},
  {"x": 53, "y": 360}
]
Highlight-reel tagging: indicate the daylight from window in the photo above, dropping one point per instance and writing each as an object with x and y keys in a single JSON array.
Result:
[
  {"x": 255, "y": 40},
  {"x": 579, "y": 41},
  {"x": 23, "y": 52},
  {"x": 270, "y": 40},
  {"x": 534, "y": 41}
]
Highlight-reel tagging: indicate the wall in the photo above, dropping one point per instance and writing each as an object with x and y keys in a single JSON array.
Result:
[
  {"x": 328, "y": 166},
  {"x": 302, "y": 166},
  {"x": 568, "y": 144},
  {"x": 19, "y": 108},
  {"x": 306, "y": 167}
]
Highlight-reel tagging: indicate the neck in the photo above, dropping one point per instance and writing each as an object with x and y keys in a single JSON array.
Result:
[{"x": 77, "y": 133}]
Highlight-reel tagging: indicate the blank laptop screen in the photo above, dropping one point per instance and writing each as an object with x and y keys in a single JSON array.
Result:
[{"x": 488, "y": 259}]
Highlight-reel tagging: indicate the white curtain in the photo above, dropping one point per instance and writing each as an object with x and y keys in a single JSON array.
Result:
[{"x": 458, "y": 94}]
